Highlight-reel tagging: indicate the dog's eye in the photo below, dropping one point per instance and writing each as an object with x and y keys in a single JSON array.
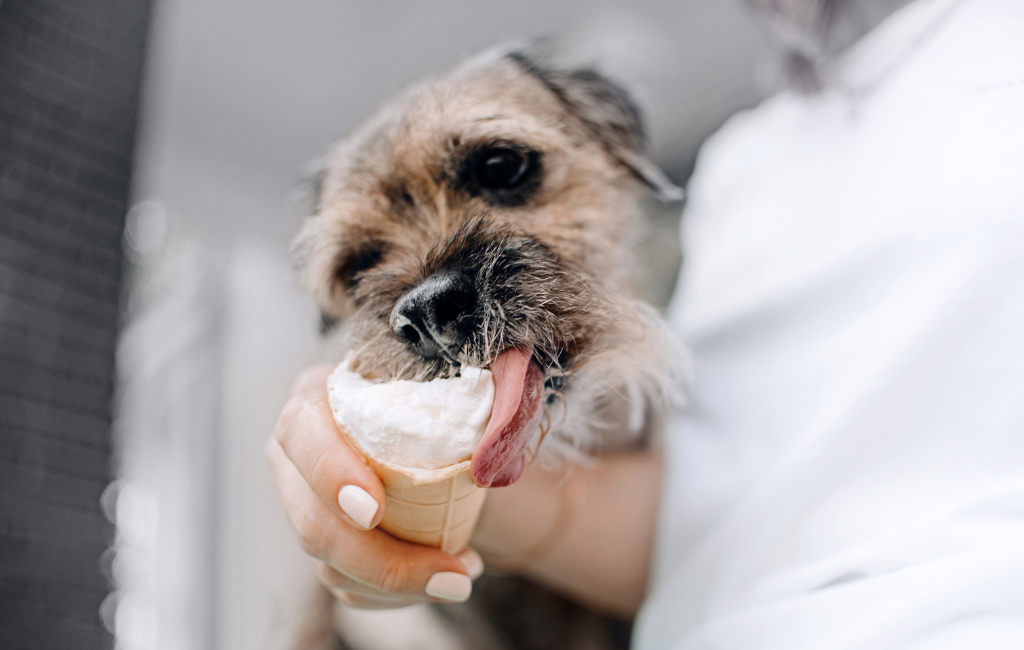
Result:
[
  {"x": 501, "y": 168},
  {"x": 367, "y": 260},
  {"x": 504, "y": 174},
  {"x": 350, "y": 272}
]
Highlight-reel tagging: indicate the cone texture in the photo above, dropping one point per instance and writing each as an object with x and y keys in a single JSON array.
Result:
[{"x": 434, "y": 507}]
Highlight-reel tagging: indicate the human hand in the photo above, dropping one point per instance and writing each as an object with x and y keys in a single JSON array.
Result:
[{"x": 334, "y": 501}]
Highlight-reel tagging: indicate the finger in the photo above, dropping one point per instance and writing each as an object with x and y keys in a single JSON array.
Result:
[
  {"x": 370, "y": 557},
  {"x": 336, "y": 580},
  {"x": 340, "y": 583},
  {"x": 363, "y": 602},
  {"x": 472, "y": 561},
  {"x": 311, "y": 439}
]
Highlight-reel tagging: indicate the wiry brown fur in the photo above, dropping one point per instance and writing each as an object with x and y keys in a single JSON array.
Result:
[{"x": 551, "y": 267}]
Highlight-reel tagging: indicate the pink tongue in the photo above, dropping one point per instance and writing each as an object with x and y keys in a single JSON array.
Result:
[{"x": 518, "y": 389}]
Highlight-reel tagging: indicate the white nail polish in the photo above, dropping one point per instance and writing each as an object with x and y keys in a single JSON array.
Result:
[
  {"x": 450, "y": 586},
  {"x": 473, "y": 562},
  {"x": 358, "y": 504}
]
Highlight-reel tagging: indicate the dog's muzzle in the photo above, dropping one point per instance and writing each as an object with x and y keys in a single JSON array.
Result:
[{"x": 435, "y": 318}]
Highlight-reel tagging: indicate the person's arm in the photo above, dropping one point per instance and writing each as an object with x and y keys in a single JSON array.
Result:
[
  {"x": 587, "y": 531},
  {"x": 589, "y": 535}
]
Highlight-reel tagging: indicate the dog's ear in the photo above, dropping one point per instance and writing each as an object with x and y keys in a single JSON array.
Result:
[
  {"x": 308, "y": 194},
  {"x": 608, "y": 113},
  {"x": 327, "y": 323}
]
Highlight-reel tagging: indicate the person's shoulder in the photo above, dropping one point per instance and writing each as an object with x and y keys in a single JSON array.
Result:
[
  {"x": 743, "y": 143},
  {"x": 938, "y": 50}
]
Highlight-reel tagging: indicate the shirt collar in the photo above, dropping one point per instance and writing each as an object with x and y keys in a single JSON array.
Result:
[{"x": 884, "y": 50}]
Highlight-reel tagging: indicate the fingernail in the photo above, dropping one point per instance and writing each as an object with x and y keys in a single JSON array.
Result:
[
  {"x": 449, "y": 586},
  {"x": 358, "y": 504},
  {"x": 473, "y": 562}
]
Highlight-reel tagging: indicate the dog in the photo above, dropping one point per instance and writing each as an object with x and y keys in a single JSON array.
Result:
[{"x": 487, "y": 213}]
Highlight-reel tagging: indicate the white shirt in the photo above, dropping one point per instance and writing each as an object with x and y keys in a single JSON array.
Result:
[{"x": 850, "y": 470}]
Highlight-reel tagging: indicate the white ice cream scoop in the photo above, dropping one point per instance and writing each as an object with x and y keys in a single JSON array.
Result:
[
  {"x": 418, "y": 437},
  {"x": 427, "y": 425},
  {"x": 435, "y": 444}
]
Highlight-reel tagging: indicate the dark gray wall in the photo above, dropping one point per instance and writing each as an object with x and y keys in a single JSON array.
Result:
[{"x": 69, "y": 79}]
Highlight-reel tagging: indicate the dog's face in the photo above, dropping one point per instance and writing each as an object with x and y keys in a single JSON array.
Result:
[{"x": 486, "y": 211}]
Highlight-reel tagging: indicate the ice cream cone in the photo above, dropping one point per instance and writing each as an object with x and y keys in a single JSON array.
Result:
[{"x": 435, "y": 507}]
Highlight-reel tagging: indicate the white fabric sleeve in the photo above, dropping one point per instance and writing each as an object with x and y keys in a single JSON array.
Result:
[{"x": 850, "y": 472}]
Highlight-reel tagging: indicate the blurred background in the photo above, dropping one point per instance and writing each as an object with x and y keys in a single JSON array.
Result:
[{"x": 195, "y": 297}]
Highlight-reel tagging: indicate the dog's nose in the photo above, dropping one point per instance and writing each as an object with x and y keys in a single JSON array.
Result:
[{"x": 431, "y": 318}]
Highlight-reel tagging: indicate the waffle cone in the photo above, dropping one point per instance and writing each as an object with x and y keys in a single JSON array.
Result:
[{"x": 435, "y": 507}]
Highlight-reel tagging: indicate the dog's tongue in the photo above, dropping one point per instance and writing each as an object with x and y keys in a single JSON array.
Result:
[{"x": 518, "y": 390}]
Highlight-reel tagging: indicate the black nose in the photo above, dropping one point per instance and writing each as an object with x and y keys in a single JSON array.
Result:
[{"x": 436, "y": 315}]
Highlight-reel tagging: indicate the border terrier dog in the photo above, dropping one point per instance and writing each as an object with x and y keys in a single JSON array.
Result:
[{"x": 485, "y": 218}]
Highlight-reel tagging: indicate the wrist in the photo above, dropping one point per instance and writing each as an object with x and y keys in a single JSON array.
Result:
[{"x": 526, "y": 522}]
